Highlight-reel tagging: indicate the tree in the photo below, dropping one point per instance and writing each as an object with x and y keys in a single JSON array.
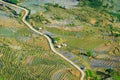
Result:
[
  {"x": 110, "y": 71},
  {"x": 96, "y": 3}
]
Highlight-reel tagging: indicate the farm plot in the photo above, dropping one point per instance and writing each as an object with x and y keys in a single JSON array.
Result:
[
  {"x": 104, "y": 63},
  {"x": 25, "y": 55}
]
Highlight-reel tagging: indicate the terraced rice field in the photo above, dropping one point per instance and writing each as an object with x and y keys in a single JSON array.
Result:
[
  {"x": 108, "y": 62},
  {"x": 25, "y": 55},
  {"x": 34, "y": 62}
]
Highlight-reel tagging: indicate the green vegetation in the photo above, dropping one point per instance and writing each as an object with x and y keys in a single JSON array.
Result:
[
  {"x": 1, "y": 78},
  {"x": 91, "y": 75},
  {"x": 89, "y": 53},
  {"x": 92, "y": 3},
  {"x": 117, "y": 15},
  {"x": 114, "y": 73},
  {"x": 97, "y": 4},
  {"x": 57, "y": 40},
  {"x": 116, "y": 77},
  {"x": 110, "y": 71},
  {"x": 12, "y": 1}
]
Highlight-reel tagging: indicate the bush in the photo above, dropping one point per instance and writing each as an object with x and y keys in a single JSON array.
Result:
[
  {"x": 56, "y": 5},
  {"x": 89, "y": 53}
]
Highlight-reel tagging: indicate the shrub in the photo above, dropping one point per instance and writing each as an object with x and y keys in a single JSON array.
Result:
[{"x": 89, "y": 53}]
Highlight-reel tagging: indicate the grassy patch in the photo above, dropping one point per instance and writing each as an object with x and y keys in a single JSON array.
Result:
[
  {"x": 116, "y": 77},
  {"x": 6, "y": 32},
  {"x": 82, "y": 39},
  {"x": 1, "y": 78},
  {"x": 89, "y": 73}
]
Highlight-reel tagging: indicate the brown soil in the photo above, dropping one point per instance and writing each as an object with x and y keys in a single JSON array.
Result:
[
  {"x": 28, "y": 60},
  {"x": 74, "y": 72},
  {"x": 40, "y": 41},
  {"x": 75, "y": 28},
  {"x": 104, "y": 47},
  {"x": 9, "y": 23}
]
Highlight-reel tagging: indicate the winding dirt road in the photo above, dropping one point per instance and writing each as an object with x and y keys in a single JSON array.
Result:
[{"x": 49, "y": 40}]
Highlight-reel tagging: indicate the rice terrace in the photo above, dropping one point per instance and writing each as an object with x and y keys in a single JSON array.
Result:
[{"x": 59, "y": 40}]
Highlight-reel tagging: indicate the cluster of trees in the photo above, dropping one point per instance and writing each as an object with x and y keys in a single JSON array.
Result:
[
  {"x": 12, "y": 1},
  {"x": 96, "y": 3},
  {"x": 54, "y": 5},
  {"x": 92, "y": 3},
  {"x": 38, "y": 18}
]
